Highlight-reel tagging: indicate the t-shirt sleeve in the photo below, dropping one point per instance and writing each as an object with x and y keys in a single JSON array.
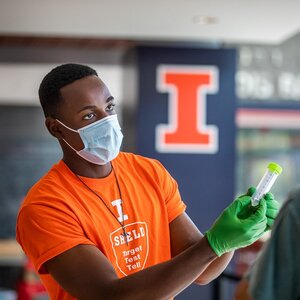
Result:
[
  {"x": 45, "y": 232},
  {"x": 175, "y": 205},
  {"x": 276, "y": 269}
]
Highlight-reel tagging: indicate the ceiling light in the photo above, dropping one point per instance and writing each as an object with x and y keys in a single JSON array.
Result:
[{"x": 205, "y": 20}]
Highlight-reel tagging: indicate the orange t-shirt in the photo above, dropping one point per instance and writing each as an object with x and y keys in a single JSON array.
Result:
[{"x": 60, "y": 212}]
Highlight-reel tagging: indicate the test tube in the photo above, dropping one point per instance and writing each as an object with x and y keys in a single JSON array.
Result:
[{"x": 266, "y": 182}]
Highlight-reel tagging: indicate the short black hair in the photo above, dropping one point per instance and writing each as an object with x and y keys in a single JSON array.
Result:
[{"x": 60, "y": 76}]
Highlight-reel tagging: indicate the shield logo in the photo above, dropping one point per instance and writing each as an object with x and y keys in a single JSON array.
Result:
[{"x": 130, "y": 251}]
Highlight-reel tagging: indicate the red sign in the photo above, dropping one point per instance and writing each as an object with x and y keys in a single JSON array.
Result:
[{"x": 187, "y": 131}]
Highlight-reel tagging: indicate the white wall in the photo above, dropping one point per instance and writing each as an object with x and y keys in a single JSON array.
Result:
[{"x": 19, "y": 82}]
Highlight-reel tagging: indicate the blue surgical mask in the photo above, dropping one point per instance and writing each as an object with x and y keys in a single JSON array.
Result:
[{"x": 102, "y": 140}]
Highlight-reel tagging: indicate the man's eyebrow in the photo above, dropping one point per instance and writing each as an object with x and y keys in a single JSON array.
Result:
[
  {"x": 110, "y": 98},
  {"x": 87, "y": 107}
]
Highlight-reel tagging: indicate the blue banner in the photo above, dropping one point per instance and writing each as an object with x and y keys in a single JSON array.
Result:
[{"x": 186, "y": 120}]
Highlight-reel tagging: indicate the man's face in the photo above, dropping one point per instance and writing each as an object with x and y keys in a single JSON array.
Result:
[{"x": 84, "y": 101}]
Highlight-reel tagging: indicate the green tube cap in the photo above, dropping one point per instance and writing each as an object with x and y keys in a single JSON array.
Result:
[{"x": 273, "y": 167}]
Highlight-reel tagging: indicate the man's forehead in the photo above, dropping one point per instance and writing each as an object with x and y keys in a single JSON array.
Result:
[
  {"x": 85, "y": 86},
  {"x": 82, "y": 83}
]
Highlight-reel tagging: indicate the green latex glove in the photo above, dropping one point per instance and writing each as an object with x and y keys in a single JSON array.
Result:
[
  {"x": 238, "y": 226},
  {"x": 272, "y": 207}
]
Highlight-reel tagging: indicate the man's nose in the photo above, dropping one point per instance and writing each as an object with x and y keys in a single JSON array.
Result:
[{"x": 103, "y": 115}]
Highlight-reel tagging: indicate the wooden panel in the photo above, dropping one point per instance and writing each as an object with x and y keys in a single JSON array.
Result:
[{"x": 76, "y": 42}]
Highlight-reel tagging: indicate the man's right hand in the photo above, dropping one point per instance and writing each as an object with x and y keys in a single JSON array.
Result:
[{"x": 238, "y": 226}]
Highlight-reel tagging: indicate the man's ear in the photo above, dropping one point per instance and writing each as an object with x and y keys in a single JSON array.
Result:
[{"x": 53, "y": 127}]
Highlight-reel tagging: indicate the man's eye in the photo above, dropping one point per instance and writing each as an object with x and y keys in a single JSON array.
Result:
[
  {"x": 110, "y": 107},
  {"x": 89, "y": 116}
]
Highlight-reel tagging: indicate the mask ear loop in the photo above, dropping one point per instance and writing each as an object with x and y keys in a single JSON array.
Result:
[
  {"x": 71, "y": 130},
  {"x": 66, "y": 126}
]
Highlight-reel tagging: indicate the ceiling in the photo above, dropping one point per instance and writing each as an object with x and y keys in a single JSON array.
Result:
[{"x": 231, "y": 21}]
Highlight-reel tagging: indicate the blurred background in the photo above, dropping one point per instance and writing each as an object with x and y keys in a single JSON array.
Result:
[{"x": 249, "y": 110}]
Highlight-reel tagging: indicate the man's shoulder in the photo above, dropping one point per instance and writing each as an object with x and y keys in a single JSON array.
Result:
[
  {"x": 53, "y": 180},
  {"x": 132, "y": 158},
  {"x": 293, "y": 200},
  {"x": 54, "y": 174},
  {"x": 131, "y": 155}
]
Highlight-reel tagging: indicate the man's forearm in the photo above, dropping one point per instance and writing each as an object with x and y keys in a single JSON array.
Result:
[
  {"x": 165, "y": 280},
  {"x": 215, "y": 268}
]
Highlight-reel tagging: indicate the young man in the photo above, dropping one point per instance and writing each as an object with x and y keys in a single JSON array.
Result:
[
  {"x": 108, "y": 225},
  {"x": 276, "y": 272}
]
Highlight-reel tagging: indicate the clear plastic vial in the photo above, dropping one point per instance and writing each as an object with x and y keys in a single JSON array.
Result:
[{"x": 266, "y": 182}]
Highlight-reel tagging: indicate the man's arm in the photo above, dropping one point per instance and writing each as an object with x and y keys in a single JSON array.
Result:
[
  {"x": 184, "y": 233},
  {"x": 85, "y": 273}
]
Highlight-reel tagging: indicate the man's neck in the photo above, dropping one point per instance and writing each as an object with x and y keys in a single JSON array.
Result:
[{"x": 87, "y": 169}]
